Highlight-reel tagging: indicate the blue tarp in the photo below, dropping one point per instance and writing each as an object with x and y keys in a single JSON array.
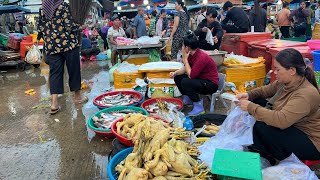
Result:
[
  {"x": 13, "y": 9},
  {"x": 198, "y": 6}
]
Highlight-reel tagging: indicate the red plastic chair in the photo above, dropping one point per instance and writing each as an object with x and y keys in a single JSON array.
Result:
[{"x": 311, "y": 162}]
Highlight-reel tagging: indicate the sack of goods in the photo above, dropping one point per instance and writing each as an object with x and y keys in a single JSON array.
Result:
[{"x": 33, "y": 55}]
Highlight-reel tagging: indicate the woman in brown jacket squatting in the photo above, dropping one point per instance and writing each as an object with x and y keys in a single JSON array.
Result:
[{"x": 290, "y": 122}]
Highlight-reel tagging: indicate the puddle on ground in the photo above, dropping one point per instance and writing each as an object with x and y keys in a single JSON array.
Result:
[
  {"x": 100, "y": 83},
  {"x": 101, "y": 163}
]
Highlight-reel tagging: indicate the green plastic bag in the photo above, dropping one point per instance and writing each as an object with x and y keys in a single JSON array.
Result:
[
  {"x": 112, "y": 69},
  {"x": 154, "y": 55}
]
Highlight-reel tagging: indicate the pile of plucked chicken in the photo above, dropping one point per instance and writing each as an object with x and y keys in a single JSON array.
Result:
[{"x": 159, "y": 152}]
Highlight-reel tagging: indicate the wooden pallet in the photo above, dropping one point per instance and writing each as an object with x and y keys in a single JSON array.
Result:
[{"x": 9, "y": 56}]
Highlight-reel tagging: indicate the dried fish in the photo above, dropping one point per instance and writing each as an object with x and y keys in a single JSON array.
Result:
[
  {"x": 106, "y": 119},
  {"x": 118, "y": 100},
  {"x": 161, "y": 105}
]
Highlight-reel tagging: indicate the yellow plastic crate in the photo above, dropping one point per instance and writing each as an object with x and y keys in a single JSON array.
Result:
[
  {"x": 138, "y": 59},
  {"x": 126, "y": 80},
  {"x": 161, "y": 85},
  {"x": 246, "y": 78},
  {"x": 162, "y": 74}
]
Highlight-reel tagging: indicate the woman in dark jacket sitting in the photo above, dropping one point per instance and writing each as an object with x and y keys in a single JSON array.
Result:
[{"x": 209, "y": 24}]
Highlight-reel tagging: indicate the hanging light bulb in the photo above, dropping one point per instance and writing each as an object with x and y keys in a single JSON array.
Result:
[
  {"x": 145, "y": 2},
  {"x": 132, "y": 5},
  {"x": 205, "y": 1},
  {"x": 119, "y": 8}
]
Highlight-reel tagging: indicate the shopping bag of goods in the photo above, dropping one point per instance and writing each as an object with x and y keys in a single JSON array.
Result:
[
  {"x": 34, "y": 55},
  {"x": 209, "y": 37},
  {"x": 235, "y": 133}
]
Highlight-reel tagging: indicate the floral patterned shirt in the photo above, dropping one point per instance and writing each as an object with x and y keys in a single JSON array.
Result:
[{"x": 59, "y": 33}]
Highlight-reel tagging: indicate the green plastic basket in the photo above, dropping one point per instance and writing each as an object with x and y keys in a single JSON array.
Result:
[
  {"x": 234, "y": 165},
  {"x": 117, "y": 108},
  {"x": 317, "y": 74},
  {"x": 297, "y": 39}
]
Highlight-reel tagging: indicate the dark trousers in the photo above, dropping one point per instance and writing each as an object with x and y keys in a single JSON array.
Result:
[
  {"x": 230, "y": 28},
  {"x": 91, "y": 51},
  {"x": 285, "y": 31},
  {"x": 300, "y": 31},
  {"x": 193, "y": 87},
  {"x": 56, "y": 63},
  {"x": 280, "y": 144},
  {"x": 206, "y": 46}
]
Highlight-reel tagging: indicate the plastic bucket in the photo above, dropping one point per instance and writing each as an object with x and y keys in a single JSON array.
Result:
[{"x": 316, "y": 60}]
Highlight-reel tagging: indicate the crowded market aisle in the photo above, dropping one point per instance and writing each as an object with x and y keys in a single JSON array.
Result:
[{"x": 35, "y": 145}]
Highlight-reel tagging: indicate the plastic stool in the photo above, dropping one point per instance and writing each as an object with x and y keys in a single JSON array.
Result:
[{"x": 311, "y": 162}]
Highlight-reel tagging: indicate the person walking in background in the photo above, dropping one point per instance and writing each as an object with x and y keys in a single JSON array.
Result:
[
  {"x": 300, "y": 19},
  {"x": 139, "y": 24},
  {"x": 152, "y": 27},
  {"x": 239, "y": 19},
  {"x": 209, "y": 24},
  {"x": 61, "y": 47},
  {"x": 309, "y": 20},
  {"x": 162, "y": 23},
  {"x": 114, "y": 32},
  {"x": 258, "y": 17},
  {"x": 202, "y": 15},
  {"x": 317, "y": 13},
  {"x": 180, "y": 28},
  {"x": 283, "y": 18}
]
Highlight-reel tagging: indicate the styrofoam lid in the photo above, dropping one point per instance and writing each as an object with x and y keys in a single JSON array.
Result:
[{"x": 160, "y": 66}]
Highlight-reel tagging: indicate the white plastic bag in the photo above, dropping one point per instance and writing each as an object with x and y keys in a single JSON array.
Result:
[
  {"x": 209, "y": 37},
  {"x": 34, "y": 55},
  {"x": 234, "y": 134},
  {"x": 287, "y": 169}
]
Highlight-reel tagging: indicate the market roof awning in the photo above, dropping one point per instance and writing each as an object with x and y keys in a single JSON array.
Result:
[
  {"x": 13, "y": 9},
  {"x": 198, "y": 6},
  {"x": 125, "y": 10}
]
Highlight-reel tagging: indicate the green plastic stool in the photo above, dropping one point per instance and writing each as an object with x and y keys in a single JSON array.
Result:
[{"x": 234, "y": 165}]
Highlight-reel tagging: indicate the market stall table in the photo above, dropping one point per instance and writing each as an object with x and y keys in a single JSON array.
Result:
[{"x": 121, "y": 49}]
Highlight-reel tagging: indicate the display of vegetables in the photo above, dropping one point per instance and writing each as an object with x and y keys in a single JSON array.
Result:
[{"x": 159, "y": 151}]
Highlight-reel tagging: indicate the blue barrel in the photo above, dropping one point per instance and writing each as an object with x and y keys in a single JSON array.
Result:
[{"x": 316, "y": 60}]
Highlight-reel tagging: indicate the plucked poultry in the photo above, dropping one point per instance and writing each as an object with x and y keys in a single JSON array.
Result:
[{"x": 159, "y": 152}]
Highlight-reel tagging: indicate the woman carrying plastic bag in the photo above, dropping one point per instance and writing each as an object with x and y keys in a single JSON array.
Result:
[{"x": 289, "y": 122}]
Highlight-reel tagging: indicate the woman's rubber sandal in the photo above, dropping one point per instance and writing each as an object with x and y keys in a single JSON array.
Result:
[{"x": 54, "y": 111}]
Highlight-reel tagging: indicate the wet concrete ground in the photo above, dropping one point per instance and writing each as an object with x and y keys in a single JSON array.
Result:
[{"x": 36, "y": 145}]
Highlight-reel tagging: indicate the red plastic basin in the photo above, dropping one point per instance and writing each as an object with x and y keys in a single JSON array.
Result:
[
  {"x": 170, "y": 100},
  {"x": 134, "y": 93}
]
